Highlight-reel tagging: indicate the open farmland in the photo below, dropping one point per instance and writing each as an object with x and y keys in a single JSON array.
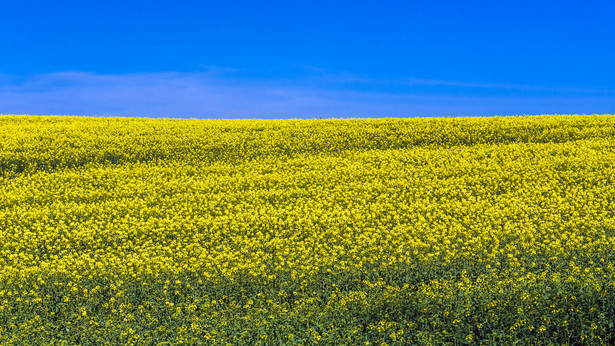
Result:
[{"x": 359, "y": 231}]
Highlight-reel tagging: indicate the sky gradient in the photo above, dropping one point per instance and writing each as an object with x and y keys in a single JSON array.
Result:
[{"x": 304, "y": 59}]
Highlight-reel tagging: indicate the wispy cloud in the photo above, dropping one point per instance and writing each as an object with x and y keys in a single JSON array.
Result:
[
  {"x": 507, "y": 86},
  {"x": 222, "y": 93},
  {"x": 319, "y": 74}
]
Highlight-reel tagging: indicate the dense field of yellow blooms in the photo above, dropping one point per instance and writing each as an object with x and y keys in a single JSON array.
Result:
[{"x": 359, "y": 231}]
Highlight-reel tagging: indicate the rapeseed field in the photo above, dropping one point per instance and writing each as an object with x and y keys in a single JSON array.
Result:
[{"x": 307, "y": 232}]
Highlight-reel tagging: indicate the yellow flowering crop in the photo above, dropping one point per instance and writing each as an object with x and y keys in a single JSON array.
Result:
[{"x": 358, "y": 231}]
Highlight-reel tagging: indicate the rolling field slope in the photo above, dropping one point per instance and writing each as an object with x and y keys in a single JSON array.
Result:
[{"x": 359, "y": 231}]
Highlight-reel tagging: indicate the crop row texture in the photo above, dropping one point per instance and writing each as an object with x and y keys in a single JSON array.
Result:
[
  {"x": 56, "y": 143},
  {"x": 316, "y": 232}
]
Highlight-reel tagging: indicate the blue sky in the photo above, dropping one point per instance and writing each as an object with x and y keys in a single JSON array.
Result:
[{"x": 303, "y": 59}]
